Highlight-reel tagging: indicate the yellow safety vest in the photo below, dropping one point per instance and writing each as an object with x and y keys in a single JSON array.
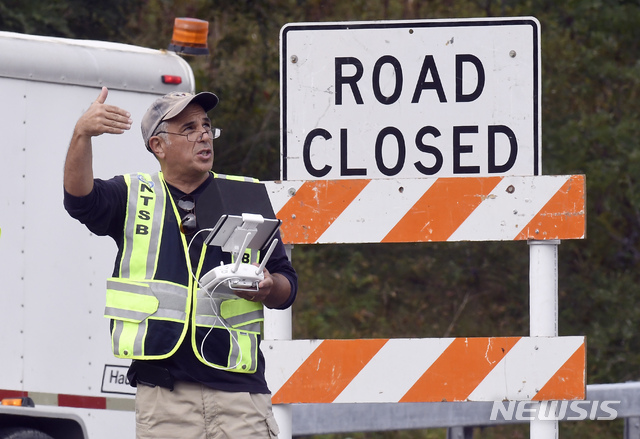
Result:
[{"x": 155, "y": 298}]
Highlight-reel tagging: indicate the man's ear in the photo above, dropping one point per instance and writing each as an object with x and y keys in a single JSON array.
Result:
[{"x": 157, "y": 146}]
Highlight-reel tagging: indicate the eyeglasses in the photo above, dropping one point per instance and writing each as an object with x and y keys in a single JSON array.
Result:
[
  {"x": 196, "y": 136},
  {"x": 188, "y": 223}
]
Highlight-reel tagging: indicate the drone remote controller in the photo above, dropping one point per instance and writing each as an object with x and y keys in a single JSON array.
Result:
[{"x": 224, "y": 280}]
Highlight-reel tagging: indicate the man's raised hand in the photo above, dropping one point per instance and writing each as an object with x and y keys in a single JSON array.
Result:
[{"x": 101, "y": 118}]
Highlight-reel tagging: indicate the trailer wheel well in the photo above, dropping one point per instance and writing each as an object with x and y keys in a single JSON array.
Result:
[
  {"x": 22, "y": 433},
  {"x": 50, "y": 427}
]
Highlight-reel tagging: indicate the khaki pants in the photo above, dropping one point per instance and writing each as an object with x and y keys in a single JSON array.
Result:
[{"x": 193, "y": 411}]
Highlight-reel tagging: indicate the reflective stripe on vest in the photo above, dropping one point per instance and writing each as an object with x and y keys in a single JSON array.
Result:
[
  {"x": 145, "y": 213},
  {"x": 236, "y": 178},
  {"x": 242, "y": 319},
  {"x": 135, "y": 301},
  {"x": 237, "y": 313},
  {"x": 127, "y": 338},
  {"x": 245, "y": 342},
  {"x": 131, "y": 303}
]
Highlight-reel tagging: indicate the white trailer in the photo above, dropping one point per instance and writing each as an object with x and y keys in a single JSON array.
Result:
[{"x": 54, "y": 342}]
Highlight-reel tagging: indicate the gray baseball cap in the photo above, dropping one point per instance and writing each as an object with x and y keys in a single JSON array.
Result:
[{"x": 169, "y": 106}]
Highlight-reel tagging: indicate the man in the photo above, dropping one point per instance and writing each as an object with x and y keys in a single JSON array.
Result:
[{"x": 196, "y": 359}]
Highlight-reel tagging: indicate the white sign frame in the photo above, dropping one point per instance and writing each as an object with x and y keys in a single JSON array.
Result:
[{"x": 358, "y": 100}]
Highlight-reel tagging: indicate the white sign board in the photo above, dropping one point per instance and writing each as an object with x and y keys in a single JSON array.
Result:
[{"x": 409, "y": 99}]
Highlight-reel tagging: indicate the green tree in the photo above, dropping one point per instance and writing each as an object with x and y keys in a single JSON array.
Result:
[{"x": 82, "y": 19}]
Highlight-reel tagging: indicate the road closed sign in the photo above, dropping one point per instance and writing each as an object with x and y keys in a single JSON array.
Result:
[{"x": 410, "y": 99}]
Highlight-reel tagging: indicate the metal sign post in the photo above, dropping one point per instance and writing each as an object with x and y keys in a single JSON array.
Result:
[
  {"x": 543, "y": 312},
  {"x": 278, "y": 326}
]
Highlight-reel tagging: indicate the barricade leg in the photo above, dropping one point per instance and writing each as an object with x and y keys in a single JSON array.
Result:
[
  {"x": 460, "y": 433},
  {"x": 543, "y": 311},
  {"x": 278, "y": 326},
  {"x": 632, "y": 428}
]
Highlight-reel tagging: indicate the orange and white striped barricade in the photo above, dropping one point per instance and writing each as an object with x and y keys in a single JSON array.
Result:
[
  {"x": 539, "y": 209},
  {"x": 426, "y": 370},
  {"x": 430, "y": 209}
]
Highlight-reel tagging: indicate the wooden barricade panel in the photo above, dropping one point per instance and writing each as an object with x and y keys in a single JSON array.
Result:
[
  {"x": 426, "y": 370},
  {"x": 430, "y": 209}
]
